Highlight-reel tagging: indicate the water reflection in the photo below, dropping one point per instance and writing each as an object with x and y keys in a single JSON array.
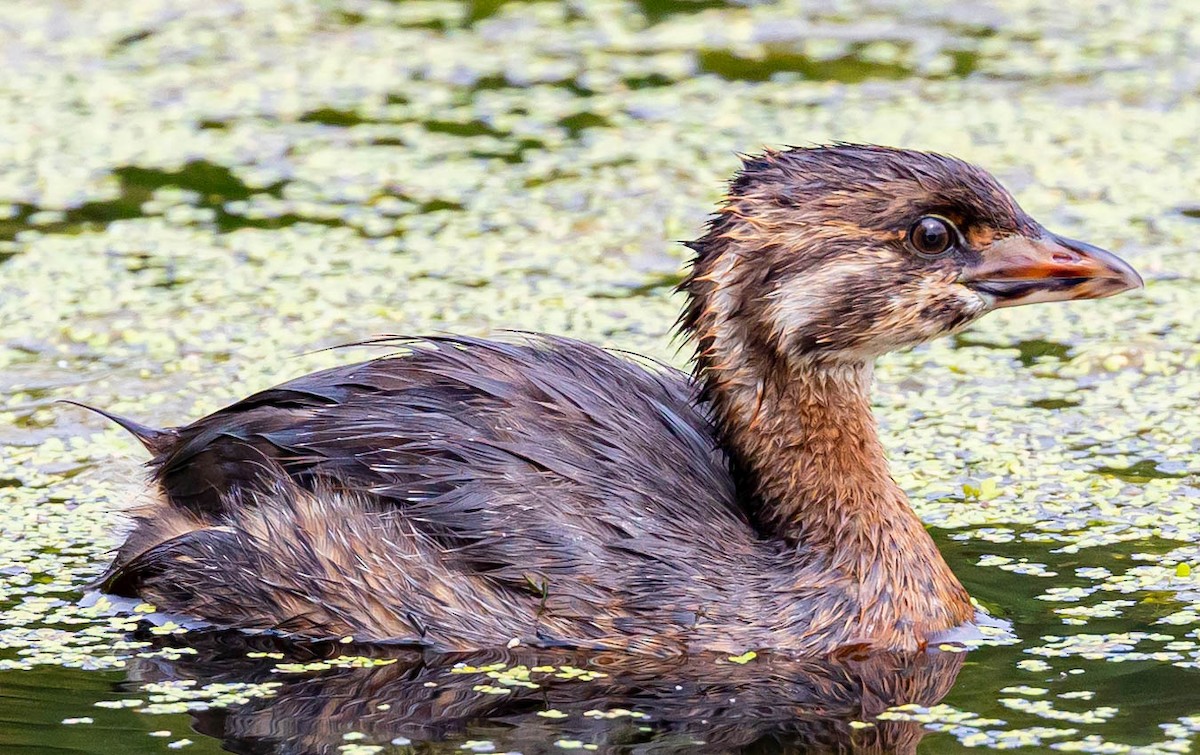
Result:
[{"x": 772, "y": 703}]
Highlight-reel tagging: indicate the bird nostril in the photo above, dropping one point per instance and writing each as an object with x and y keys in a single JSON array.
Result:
[{"x": 1065, "y": 258}]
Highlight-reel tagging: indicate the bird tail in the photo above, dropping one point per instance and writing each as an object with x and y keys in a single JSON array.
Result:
[{"x": 155, "y": 440}]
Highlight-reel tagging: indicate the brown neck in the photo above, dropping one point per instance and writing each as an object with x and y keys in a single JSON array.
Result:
[
  {"x": 793, "y": 411},
  {"x": 807, "y": 449}
]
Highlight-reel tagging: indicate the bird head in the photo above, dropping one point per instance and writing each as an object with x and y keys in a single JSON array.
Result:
[{"x": 842, "y": 253}]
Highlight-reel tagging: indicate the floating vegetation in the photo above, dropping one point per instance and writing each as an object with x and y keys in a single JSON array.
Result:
[{"x": 195, "y": 200}]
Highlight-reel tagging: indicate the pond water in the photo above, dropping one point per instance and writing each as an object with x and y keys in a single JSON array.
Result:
[{"x": 197, "y": 197}]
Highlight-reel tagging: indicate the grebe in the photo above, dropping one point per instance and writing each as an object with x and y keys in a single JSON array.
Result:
[{"x": 469, "y": 494}]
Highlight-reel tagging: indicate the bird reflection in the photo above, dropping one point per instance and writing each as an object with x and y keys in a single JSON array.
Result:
[{"x": 687, "y": 704}]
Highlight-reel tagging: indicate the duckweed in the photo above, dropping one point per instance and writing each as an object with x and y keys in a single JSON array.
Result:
[{"x": 197, "y": 198}]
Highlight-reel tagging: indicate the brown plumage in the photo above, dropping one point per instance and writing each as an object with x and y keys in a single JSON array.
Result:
[{"x": 465, "y": 493}]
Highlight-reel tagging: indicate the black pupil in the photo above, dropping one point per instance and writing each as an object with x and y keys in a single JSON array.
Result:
[{"x": 931, "y": 236}]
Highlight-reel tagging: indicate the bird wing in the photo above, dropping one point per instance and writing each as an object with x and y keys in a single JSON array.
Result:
[{"x": 521, "y": 458}]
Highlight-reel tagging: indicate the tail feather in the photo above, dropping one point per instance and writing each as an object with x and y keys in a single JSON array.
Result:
[{"x": 155, "y": 440}]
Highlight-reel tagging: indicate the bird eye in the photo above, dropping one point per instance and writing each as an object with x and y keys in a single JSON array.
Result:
[{"x": 932, "y": 236}]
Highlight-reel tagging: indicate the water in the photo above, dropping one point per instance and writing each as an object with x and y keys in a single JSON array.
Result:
[{"x": 196, "y": 197}]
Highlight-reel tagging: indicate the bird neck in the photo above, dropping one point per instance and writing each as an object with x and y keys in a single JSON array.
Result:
[
  {"x": 802, "y": 440},
  {"x": 811, "y": 464}
]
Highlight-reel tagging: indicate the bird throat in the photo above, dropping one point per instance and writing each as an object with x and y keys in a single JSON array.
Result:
[{"x": 808, "y": 454}]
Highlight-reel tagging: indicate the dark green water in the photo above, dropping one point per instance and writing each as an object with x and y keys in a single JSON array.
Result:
[{"x": 195, "y": 197}]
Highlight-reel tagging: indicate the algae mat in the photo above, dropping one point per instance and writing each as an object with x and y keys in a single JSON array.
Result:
[{"x": 197, "y": 197}]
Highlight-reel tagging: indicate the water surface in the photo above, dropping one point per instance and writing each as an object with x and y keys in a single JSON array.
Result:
[{"x": 196, "y": 197}]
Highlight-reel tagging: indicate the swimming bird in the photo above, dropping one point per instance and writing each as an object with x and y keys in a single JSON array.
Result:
[{"x": 465, "y": 494}]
